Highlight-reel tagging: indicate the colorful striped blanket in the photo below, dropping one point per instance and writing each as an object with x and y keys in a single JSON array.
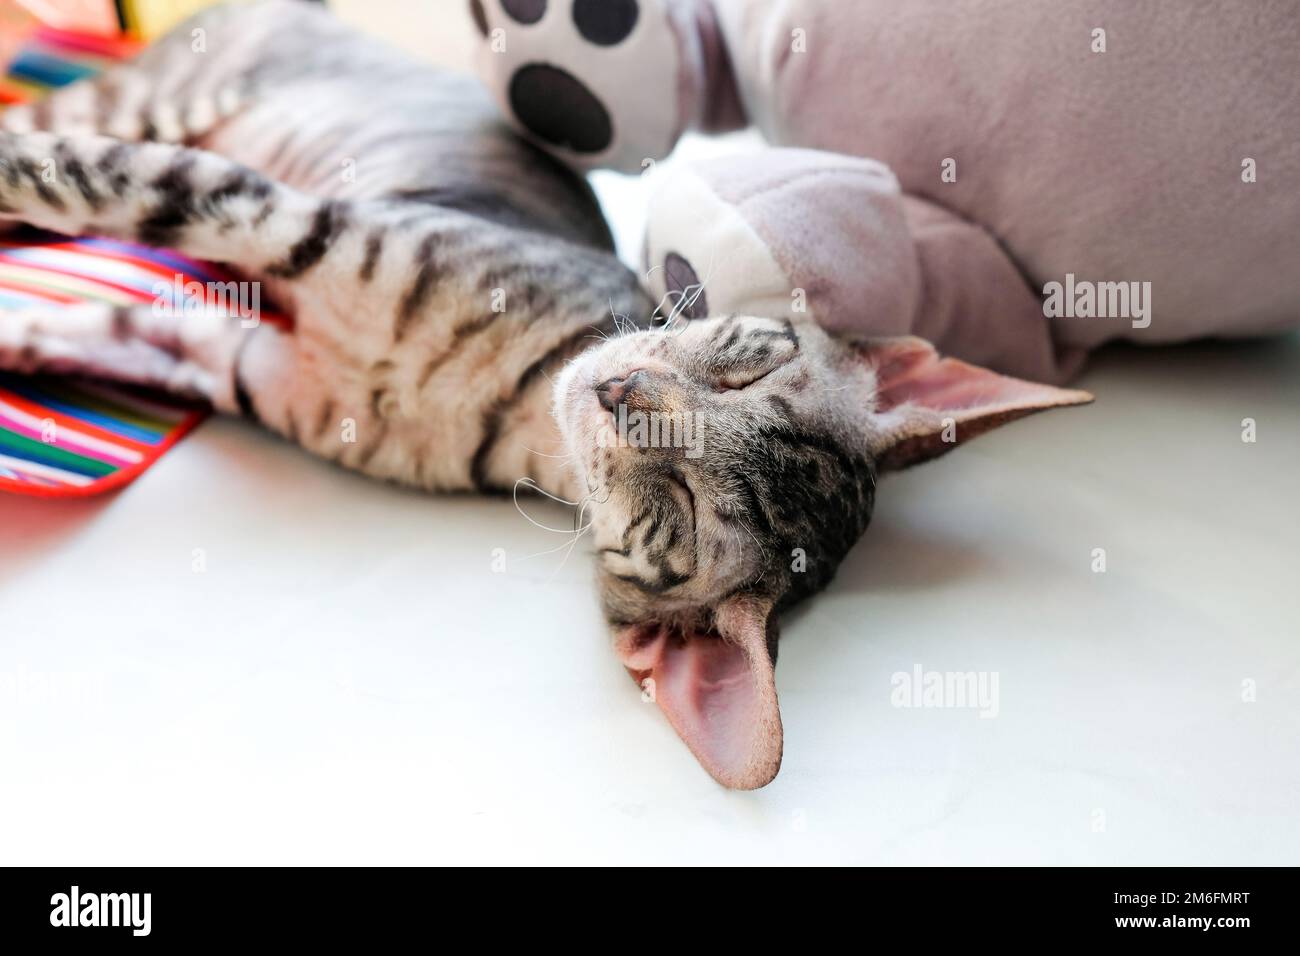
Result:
[{"x": 59, "y": 437}]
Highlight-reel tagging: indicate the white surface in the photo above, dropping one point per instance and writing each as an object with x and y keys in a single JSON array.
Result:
[{"x": 348, "y": 681}]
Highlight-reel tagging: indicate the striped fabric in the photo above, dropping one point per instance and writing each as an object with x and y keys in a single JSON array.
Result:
[
  {"x": 61, "y": 438},
  {"x": 99, "y": 17},
  {"x": 53, "y": 58}
]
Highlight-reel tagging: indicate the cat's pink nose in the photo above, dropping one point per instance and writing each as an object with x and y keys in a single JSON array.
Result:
[{"x": 614, "y": 392}]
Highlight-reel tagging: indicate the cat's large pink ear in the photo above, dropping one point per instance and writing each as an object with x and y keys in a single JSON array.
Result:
[
  {"x": 717, "y": 689},
  {"x": 927, "y": 405}
]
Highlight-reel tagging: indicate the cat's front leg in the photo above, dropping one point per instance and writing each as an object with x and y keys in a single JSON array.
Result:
[{"x": 196, "y": 202}]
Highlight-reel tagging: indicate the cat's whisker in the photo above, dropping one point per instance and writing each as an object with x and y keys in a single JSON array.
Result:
[
  {"x": 675, "y": 313},
  {"x": 542, "y": 454},
  {"x": 541, "y": 554},
  {"x": 662, "y": 299},
  {"x": 699, "y": 291},
  {"x": 687, "y": 300},
  {"x": 713, "y": 260},
  {"x": 582, "y": 510},
  {"x": 578, "y": 534},
  {"x": 533, "y": 486},
  {"x": 702, "y": 284},
  {"x": 575, "y": 534},
  {"x": 750, "y": 531},
  {"x": 567, "y": 547},
  {"x": 621, "y": 321},
  {"x": 690, "y": 294},
  {"x": 563, "y": 561}
]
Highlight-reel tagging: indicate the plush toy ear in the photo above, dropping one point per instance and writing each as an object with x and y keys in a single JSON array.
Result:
[
  {"x": 926, "y": 405},
  {"x": 717, "y": 688}
]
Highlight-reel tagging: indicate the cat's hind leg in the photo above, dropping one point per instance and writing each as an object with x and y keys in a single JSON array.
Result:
[
  {"x": 260, "y": 373},
  {"x": 204, "y": 206},
  {"x": 172, "y": 92},
  {"x": 190, "y": 355},
  {"x": 123, "y": 103},
  {"x": 257, "y": 371}
]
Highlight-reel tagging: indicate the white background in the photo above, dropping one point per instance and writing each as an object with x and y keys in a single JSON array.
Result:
[{"x": 349, "y": 682}]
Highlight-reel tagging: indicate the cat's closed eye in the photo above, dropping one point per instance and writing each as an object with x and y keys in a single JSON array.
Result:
[
  {"x": 747, "y": 352},
  {"x": 741, "y": 367},
  {"x": 737, "y": 379}
]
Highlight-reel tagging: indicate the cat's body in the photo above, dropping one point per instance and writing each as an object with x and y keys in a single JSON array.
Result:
[
  {"x": 439, "y": 271},
  {"x": 439, "y": 268}
]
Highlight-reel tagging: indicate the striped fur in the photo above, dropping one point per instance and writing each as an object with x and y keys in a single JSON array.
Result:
[
  {"x": 438, "y": 268},
  {"x": 448, "y": 282},
  {"x": 442, "y": 274}
]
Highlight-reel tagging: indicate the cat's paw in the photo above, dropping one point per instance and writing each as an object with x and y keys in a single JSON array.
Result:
[
  {"x": 595, "y": 81},
  {"x": 33, "y": 339}
]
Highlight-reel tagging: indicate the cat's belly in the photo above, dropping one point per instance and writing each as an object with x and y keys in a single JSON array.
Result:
[
  {"x": 439, "y": 410},
  {"x": 319, "y": 152}
]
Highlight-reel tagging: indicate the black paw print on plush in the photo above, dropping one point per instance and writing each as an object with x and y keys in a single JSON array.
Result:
[{"x": 553, "y": 104}]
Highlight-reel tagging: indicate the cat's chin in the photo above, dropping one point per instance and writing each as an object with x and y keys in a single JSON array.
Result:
[
  {"x": 561, "y": 388},
  {"x": 576, "y": 408}
]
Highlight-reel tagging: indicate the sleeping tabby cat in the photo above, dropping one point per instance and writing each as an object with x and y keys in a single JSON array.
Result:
[{"x": 442, "y": 275}]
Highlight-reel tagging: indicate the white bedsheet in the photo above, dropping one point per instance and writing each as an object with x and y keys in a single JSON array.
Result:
[{"x": 349, "y": 680}]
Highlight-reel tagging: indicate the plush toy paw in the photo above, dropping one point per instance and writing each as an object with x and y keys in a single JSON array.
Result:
[{"x": 596, "y": 82}]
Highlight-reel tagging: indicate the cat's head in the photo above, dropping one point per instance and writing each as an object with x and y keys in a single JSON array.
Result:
[{"x": 730, "y": 465}]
